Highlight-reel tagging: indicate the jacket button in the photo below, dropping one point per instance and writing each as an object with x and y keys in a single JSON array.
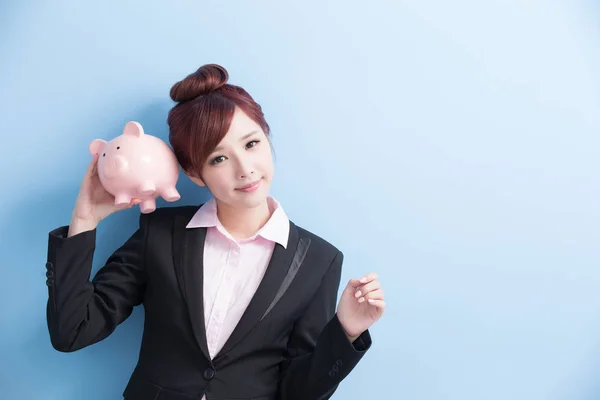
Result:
[
  {"x": 49, "y": 282},
  {"x": 338, "y": 362},
  {"x": 49, "y": 265},
  {"x": 209, "y": 373},
  {"x": 49, "y": 274}
]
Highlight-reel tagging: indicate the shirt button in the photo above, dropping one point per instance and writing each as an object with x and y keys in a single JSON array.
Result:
[{"x": 209, "y": 373}]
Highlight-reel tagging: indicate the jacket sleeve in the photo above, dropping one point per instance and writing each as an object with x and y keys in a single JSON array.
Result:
[
  {"x": 81, "y": 312},
  {"x": 320, "y": 355}
]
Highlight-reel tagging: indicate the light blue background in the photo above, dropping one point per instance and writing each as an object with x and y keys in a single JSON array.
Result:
[{"x": 453, "y": 147}]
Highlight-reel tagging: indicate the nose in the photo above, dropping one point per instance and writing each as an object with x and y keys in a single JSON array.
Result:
[
  {"x": 114, "y": 166},
  {"x": 244, "y": 169}
]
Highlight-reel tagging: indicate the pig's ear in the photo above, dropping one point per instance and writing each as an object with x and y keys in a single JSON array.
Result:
[
  {"x": 133, "y": 128},
  {"x": 96, "y": 146}
]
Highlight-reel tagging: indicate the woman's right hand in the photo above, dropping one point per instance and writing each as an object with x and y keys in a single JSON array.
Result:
[{"x": 93, "y": 202}]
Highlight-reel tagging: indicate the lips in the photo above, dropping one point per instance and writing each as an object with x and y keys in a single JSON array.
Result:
[{"x": 249, "y": 187}]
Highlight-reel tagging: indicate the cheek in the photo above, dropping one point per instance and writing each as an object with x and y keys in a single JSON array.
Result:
[
  {"x": 266, "y": 161},
  {"x": 216, "y": 178}
]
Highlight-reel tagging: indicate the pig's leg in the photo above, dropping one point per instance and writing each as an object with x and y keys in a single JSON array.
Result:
[
  {"x": 147, "y": 188},
  {"x": 122, "y": 199},
  {"x": 147, "y": 206},
  {"x": 170, "y": 194}
]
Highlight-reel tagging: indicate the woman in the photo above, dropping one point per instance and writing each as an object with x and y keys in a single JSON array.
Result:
[{"x": 239, "y": 301}]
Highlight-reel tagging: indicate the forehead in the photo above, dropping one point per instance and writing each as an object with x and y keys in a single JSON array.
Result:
[
  {"x": 241, "y": 124},
  {"x": 240, "y": 129}
]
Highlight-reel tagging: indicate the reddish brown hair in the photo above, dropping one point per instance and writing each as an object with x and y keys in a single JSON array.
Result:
[{"x": 201, "y": 118}]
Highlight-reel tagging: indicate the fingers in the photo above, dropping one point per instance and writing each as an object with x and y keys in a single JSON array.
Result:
[
  {"x": 132, "y": 203},
  {"x": 363, "y": 295},
  {"x": 377, "y": 303},
  {"x": 367, "y": 298},
  {"x": 93, "y": 163},
  {"x": 374, "y": 295},
  {"x": 92, "y": 168},
  {"x": 90, "y": 171},
  {"x": 369, "y": 277},
  {"x": 369, "y": 287},
  {"x": 356, "y": 282},
  {"x": 123, "y": 206}
]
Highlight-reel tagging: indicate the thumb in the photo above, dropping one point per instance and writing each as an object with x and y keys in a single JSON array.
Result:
[{"x": 93, "y": 165}]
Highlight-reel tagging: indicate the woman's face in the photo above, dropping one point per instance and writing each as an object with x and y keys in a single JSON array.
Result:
[{"x": 240, "y": 170}]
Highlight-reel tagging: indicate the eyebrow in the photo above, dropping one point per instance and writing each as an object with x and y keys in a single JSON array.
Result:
[{"x": 246, "y": 136}]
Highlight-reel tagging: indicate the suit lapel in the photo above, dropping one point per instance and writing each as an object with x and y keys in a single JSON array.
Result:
[
  {"x": 273, "y": 279},
  {"x": 188, "y": 257},
  {"x": 299, "y": 254}
]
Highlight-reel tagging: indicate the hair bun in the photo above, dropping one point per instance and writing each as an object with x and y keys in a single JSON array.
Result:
[{"x": 206, "y": 79}]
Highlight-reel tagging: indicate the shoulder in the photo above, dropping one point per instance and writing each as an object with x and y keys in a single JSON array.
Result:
[
  {"x": 319, "y": 244},
  {"x": 166, "y": 217},
  {"x": 175, "y": 211}
]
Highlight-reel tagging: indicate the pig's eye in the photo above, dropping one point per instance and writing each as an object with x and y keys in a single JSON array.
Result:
[
  {"x": 118, "y": 147},
  {"x": 104, "y": 154}
]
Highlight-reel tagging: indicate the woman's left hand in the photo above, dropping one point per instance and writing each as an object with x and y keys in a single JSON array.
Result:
[{"x": 361, "y": 305}]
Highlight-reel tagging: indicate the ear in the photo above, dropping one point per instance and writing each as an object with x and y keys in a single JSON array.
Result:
[
  {"x": 133, "y": 128},
  {"x": 96, "y": 146}
]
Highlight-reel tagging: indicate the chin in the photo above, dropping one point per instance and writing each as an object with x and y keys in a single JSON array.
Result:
[
  {"x": 252, "y": 200},
  {"x": 253, "y": 204}
]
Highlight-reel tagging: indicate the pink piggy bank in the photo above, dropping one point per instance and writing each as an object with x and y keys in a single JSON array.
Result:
[{"x": 135, "y": 165}]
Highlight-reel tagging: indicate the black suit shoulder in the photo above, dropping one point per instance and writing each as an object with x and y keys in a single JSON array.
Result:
[
  {"x": 321, "y": 245},
  {"x": 170, "y": 212},
  {"x": 163, "y": 217}
]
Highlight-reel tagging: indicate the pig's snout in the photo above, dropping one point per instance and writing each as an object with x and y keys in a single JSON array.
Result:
[{"x": 115, "y": 166}]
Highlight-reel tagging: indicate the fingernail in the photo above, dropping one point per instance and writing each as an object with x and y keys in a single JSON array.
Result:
[
  {"x": 358, "y": 294},
  {"x": 363, "y": 279},
  {"x": 371, "y": 300},
  {"x": 361, "y": 299}
]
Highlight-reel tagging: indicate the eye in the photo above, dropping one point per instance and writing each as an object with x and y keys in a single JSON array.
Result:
[
  {"x": 103, "y": 154},
  {"x": 252, "y": 143},
  {"x": 118, "y": 147},
  {"x": 217, "y": 160}
]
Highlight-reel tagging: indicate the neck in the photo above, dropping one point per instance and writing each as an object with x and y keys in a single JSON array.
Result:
[{"x": 243, "y": 223}]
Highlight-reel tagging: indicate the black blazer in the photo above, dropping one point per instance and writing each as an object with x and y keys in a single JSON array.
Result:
[{"x": 288, "y": 345}]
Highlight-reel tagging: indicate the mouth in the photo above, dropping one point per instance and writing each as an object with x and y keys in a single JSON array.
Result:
[{"x": 250, "y": 187}]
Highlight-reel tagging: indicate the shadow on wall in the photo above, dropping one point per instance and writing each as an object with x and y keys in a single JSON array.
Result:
[{"x": 104, "y": 368}]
